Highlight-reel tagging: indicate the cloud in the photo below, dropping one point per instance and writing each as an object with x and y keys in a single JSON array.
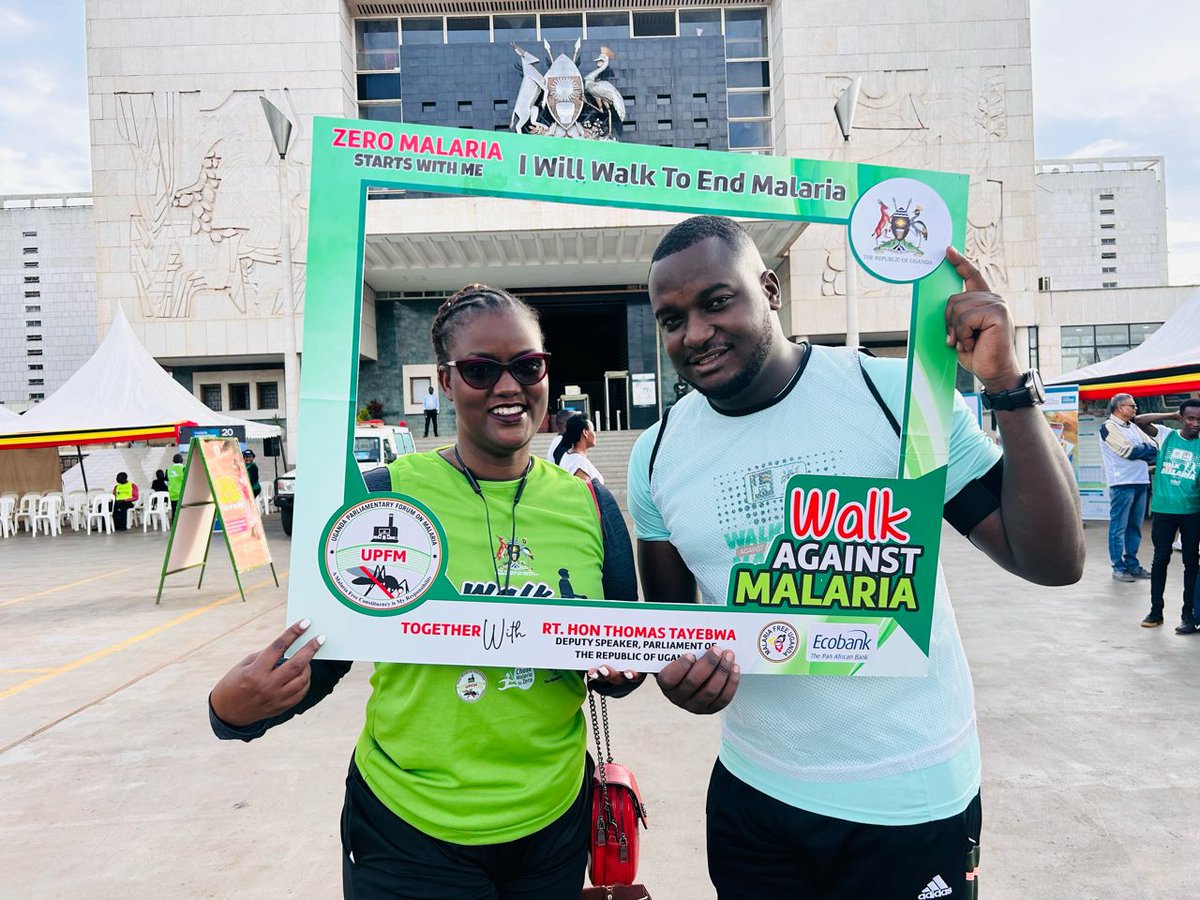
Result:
[
  {"x": 1105, "y": 147},
  {"x": 14, "y": 25}
]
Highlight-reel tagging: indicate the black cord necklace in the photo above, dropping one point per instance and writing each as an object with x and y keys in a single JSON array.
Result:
[{"x": 512, "y": 551}]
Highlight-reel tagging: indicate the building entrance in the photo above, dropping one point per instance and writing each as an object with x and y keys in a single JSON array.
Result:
[{"x": 588, "y": 335}]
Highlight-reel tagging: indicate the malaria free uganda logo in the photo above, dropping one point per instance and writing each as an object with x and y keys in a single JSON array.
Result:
[
  {"x": 899, "y": 230},
  {"x": 777, "y": 642},
  {"x": 382, "y": 555}
]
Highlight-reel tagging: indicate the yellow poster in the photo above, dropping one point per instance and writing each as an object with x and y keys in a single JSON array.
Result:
[{"x": 235, "y": 503}]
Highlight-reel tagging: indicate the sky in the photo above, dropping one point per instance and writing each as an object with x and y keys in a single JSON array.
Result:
[{"x": 1110, "y": 78}]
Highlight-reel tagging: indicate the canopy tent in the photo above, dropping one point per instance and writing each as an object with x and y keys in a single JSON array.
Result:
[
  {"x": 7, "y": 416},
  {"x": 120, "y": 394},
  {"x": 1167, "y": 362}
]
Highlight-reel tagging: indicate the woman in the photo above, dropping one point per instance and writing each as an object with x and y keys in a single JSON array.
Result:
[
  {"x": 458, "y": 786},
  {"x": 571, "y": 452},
  {"x": 125, "y": 497},
  {"x": 160, "y": 481}
]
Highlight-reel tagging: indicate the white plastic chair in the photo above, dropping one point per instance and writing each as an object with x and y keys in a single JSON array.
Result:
[
  {"x": 49, "y": 514},
  {"x": 137, "y": 512},
  {"x": 264, "y": 498},
  {"x": 75, "y": 508},
  {"x": 27, "y": 508},
  {"x": 158, "y": 511},
  {"x": 100, "y": 509},
  {"x": 8, "y": 506}
]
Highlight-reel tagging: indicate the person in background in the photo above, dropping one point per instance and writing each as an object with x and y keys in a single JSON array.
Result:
[
  {"x": 160, "y": 482},
  {"x": 125, "y": 495},
  {"x": 1126, "y": 451},
  {"x": 175, "y": 473},
  {"x": 560, "y": 425},
  {"x": 571, "y": 452},
  {"x": 431, "y": 404},
  {"x": 252, "y": 471}
]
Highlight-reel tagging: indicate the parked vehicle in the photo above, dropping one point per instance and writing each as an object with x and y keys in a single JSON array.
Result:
[{"x": 375, "y": 444}]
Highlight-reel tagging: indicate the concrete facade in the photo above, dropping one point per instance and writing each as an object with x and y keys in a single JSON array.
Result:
[
  {"x": 47, "y": 294},
  {"x": 1102, "y": 223}
]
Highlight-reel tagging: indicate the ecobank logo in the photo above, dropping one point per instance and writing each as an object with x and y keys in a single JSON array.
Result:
[{"x": 840, "y": 642}]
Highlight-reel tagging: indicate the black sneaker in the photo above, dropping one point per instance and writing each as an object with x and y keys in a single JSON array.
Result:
[
  {"x": 1122, "y": 575},
  {"x": 1186, "y": 627},
  {"x": 1139, "y": 572},
  {"x": 1151, "y": 621}
]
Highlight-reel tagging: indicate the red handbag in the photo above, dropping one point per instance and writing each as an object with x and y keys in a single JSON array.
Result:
[{"x": 616, "y": 811}]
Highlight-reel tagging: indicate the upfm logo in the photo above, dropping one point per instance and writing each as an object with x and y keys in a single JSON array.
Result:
[
  {"x": 899, "y": 230},
  {"x": 842, "y": 642}
]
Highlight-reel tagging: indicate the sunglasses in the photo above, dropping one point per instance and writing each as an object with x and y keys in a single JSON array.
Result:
[{"x": 482, "y": 373}]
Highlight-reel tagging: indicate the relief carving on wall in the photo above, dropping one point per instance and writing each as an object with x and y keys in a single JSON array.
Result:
[
  {"x": 204, "y": 235},
  {"x": 988, "y": 118}
]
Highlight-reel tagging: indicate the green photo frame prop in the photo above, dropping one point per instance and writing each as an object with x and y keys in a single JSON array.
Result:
[{"x": 900, "y": 220}]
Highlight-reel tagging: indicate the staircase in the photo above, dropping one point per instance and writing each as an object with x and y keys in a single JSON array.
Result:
[{"x": 610, "y": 455}]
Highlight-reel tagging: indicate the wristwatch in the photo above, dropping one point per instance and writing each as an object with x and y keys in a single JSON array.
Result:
[{"x": 1030, "y": 393}]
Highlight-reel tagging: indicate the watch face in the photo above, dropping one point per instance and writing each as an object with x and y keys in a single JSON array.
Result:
[{"x": 1036, "y": 388}]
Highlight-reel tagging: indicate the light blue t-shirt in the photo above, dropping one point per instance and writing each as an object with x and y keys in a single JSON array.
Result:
[{"x": 882, "y": 750}]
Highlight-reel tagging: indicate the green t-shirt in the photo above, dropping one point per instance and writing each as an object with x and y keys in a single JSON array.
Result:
[
  {"x": 1176, "y": 489},
  {"x": 175, "y": 480},
  {"x": 472, "y": 754}
]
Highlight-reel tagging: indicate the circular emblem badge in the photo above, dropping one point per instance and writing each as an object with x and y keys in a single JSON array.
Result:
[
  {"x": 778, "y": 642},
  {"x": 470, "y": 686},
  {"x": 899, "y": 230},
  {"x": 382, "y": 555}
]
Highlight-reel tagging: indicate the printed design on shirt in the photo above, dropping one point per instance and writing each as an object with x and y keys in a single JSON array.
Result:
[
  {"x": 1179, "y": 464},
  {"x": 516, "y": 678},
  {"x": 382, "y": 555},
  {"x": 514, "y": 556},
  {"x": 470, "y": 686},
  {"x": 748, "y": 505}
]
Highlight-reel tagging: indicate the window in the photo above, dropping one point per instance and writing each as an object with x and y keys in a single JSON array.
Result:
[
  {"x": 663, "y": 124},
  {"x": 630, "y": 100},
  {"x": 1084, "y": 345},
  {"x": 662, "y": 99},
  {"x": 699, "y": 22},
  {"x": 239, "y": 397},
  {"x": 565, "y": 27},
  {"x": 1108, "y": 242},
  {"x": 416, "y": 31},
  {"x": 701, "y": 145},
  {"x": 629, "y": 126},
  {"x": 382, "y": 112},
  {"x": 1106, "y": 196},
  {"x": 605, "y": 26},
  {"x": 745, "y": 33},
  {"x": 32, "y": 295},
  {"x": 514, "y": 28},
  {"x": 210, "y": 396},
  {"x": 268, "y": 394},
  {"x": 428, "y": 106},
  {"x": 378, "y": 87},
  {"x": 1109, "y": 284},
  {"x": 378, "y": 44},
  {"x": 31, "y": 265},
  {"x": 468, "y": 30},
  {"x": 28, "y": 234},
  {"x": 33, "y": 323},
  {"x": 748, "y": 74},
  {"x": 417, "y": 389},
  {"x": 33, "y": 279},
  {"x": 1107, "y": 212},
  {"x": 748, "y": 134},
  {"x": 500, "y": 105},
  {"x": 29, "y": 251},
  {"x": 1108, "y": 255},
  {"x": 464, "y": 106},
  {"x": 35, "y": 367},
  {"x": 1108, "y": 270},
  {"x": 1107, "y": 226},
  {"x": 36, "y": 382},
  {"x": 34, "y": 352},
  {"x": 1033, "y": 347},
  {"x": 699, "y": 123},
  {"x": 749, "y": 106},
  {"x": 37, "y": 396},
  {"x": 652, "y": 24},
  {"x": 33, "y": 337},
  {"x": 699, "y": 98}
]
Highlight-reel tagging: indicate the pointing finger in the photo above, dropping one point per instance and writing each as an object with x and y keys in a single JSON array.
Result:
[
  {"x": 274, "y": 651},
  {"x": 973, "y": 280}
]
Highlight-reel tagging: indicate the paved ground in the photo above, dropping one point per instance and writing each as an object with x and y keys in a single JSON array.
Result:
[{"x": 111, "y": 785}]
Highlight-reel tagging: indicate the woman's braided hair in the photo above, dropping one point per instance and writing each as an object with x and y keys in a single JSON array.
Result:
[{"x": 459, "y": 308}]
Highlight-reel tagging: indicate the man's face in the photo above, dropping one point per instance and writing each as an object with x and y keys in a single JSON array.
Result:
[
  {"x": 1191, "y": 422},
  {"x": 1126, "y": 409},
  {"x": 715, "y": 306}
]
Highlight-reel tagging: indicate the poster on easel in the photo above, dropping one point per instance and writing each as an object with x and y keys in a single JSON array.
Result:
[{"x": 216, "y": 489}]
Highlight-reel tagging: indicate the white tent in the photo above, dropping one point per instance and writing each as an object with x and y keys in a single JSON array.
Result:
[
  {"x": 7, "y": 416},
  {"x": 120, "y": 394},
  {"x": 1169, "y": 358}
]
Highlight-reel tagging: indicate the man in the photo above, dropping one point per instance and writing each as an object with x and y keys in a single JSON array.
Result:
[
  {"x": 1126, "y": 450},
  {"x": 1175, "y": 509},
  {"x": 175, "y": 473},
  {"x": 561, "y": 418},
  {"x": 829, "y": 787},
  {"x": 431, "y": 411},
  {"x": 252, "y": 471}
]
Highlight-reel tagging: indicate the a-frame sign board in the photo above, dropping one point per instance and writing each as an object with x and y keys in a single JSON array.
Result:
[{"x": 216, "y": 486}]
